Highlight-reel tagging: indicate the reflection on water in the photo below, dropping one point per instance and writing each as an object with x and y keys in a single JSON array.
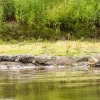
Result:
[{"x": 49, "y": 85}]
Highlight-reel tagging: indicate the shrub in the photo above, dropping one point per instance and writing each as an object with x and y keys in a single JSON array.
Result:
[{"x": 48, "y": 18}]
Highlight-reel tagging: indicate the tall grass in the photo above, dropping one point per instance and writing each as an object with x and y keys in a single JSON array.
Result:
[{"x": 46, "y": 18}]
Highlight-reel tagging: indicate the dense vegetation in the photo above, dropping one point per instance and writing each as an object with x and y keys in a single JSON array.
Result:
[{"x": 48, "y": 19}]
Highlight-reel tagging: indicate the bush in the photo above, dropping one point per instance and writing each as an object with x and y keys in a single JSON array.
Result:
[{"x": 48, "y": 18}]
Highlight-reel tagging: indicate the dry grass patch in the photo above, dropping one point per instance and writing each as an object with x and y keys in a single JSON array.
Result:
[{"x": 58, "y": 48}]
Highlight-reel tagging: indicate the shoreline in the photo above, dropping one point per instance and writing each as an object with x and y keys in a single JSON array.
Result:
[{"x": 43, "y": 62}]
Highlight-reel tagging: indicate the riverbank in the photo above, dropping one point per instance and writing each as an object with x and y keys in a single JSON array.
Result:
[
  {"x": 57, "y": 48},
  {"x": 45, "y": 62},
  {"x": 60, "y": 54}
]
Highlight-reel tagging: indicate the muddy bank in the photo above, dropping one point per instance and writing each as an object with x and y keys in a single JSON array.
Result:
[
  {"x": 47, "y": 62},
  {"x": 39, "y": 60}
]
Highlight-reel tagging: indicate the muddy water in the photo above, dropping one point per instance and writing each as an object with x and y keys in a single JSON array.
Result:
[{"x": 56, "y": 84}]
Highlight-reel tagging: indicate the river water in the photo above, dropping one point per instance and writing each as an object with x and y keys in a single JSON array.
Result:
[{"x": 49, "y": 85}]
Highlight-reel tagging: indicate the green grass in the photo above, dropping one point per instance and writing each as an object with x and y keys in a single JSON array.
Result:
[{"x": 58, "y": 48}]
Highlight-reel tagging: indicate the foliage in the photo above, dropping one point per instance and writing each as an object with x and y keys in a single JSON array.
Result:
[
  {"x": 47, "y": 18},
  {"x": 1, "y": 13}
]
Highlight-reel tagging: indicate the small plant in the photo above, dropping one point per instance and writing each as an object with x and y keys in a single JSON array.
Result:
[
  {"x": 45, "y": 46},
  {"x": 2, "y": 42},
  {"x": 78, "y": 45},
  {"x": 68, "y": 44}
]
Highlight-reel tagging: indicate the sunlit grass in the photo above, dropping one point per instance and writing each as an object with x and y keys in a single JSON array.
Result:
[{"x": 58, "y": 48}]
